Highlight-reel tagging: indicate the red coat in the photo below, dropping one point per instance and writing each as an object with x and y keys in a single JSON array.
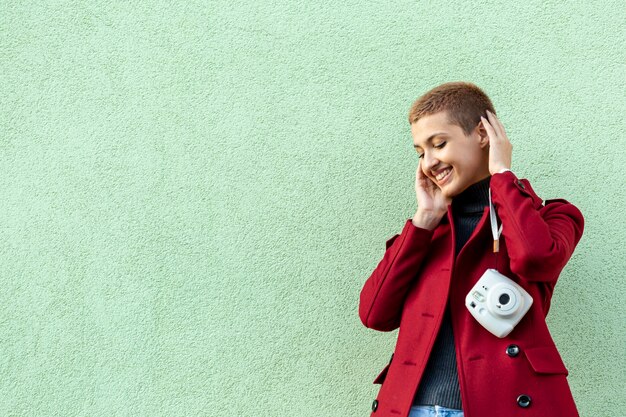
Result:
[{"x": 409, "y": 287}]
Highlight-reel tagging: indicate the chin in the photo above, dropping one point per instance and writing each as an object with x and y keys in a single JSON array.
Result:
[{"x": 448, "y": 190}]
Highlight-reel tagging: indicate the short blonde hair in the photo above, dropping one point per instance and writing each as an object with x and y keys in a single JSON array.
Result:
[{"x": 464, "y": 103}]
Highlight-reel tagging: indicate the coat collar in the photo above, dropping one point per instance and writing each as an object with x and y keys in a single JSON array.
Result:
[{"x": 522, "y": 184}]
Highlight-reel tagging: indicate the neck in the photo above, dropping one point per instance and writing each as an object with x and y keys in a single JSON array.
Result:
[{"x": 474, "y": 198}]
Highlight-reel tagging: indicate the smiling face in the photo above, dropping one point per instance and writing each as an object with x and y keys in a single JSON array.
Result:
[{"x": 449, "y": 149}]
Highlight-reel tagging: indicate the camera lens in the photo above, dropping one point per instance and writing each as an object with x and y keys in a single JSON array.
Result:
[{"x": 504, "y": 299}]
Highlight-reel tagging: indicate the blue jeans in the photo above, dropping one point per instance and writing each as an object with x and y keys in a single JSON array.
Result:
[{"x": 434, "y": 411}]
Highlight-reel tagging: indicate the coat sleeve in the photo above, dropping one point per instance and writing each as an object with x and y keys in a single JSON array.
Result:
[
  {"x": 540, "y": 239},
  {"x": 384, "y": 292}
]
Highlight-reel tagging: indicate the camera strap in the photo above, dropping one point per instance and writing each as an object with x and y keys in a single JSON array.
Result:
[{"x": 494, "y": 225}]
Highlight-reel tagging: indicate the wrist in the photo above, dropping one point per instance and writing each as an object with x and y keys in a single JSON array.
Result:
[{"x": 426, "y": 219}]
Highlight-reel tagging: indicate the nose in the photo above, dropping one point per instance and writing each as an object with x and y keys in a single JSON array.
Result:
[{"x": 429, "y": 163}]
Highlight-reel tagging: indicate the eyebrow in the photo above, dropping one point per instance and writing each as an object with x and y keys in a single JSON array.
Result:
[{"x": 431, "y": 137}]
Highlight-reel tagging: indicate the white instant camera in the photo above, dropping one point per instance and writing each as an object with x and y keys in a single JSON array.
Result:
[{"x": 497, "y": 302}]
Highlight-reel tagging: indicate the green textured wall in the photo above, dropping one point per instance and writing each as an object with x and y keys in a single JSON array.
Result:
[{"x": 192, "y": 194}]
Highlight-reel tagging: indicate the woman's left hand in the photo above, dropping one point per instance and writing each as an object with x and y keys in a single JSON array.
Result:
[{"x": 500, "y": 147}]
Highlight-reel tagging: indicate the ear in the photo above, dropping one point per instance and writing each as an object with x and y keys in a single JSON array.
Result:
[{"x": 483, "y": 136}]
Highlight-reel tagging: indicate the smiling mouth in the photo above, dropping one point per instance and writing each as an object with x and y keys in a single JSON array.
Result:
[{"x": 445, "y": 178}]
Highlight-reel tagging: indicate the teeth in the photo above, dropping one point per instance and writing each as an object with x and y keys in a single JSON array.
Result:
[{"x": 443, "y": 174}]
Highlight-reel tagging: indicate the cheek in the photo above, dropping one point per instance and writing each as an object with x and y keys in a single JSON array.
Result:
[{"x": 446, "y": 153}]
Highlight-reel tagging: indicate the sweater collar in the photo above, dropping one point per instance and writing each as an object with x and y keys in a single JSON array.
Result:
[{"x": 473, "y": 199}]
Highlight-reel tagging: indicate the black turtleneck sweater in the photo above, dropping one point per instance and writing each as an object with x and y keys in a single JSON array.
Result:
[{"x": 440, "y": 382}]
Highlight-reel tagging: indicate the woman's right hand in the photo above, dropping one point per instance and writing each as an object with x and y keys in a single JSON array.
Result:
[{"x": 431, "y": 203}]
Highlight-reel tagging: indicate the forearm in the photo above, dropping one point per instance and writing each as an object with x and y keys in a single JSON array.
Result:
[
  {"x": 383, "y": 294},
  {"x": 539, "y": 241}
]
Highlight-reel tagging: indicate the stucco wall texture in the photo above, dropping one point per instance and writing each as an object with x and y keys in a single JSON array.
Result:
[{"x": 193, "y": 193}]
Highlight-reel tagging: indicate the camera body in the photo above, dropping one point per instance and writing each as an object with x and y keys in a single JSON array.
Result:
[{"x": 498, "y": 302}]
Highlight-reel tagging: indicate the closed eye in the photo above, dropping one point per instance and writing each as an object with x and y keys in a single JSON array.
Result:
[{"x": 441, "y": 145}]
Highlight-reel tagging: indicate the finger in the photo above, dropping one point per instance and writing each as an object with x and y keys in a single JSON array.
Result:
[
  {"x": 490, "y": 131},
  {"x": 502, "y": 130},
  {"x": 420, "y": 168},
  {"x": 495, "y": 122}
]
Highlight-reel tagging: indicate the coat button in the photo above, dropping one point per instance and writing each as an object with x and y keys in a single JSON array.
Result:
[
  {"x": 374, "y": 405},
  {"x": 523, "y": 401},
  {"x": 512, "y": 350},
  {"x": 521, "y": 184}
]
